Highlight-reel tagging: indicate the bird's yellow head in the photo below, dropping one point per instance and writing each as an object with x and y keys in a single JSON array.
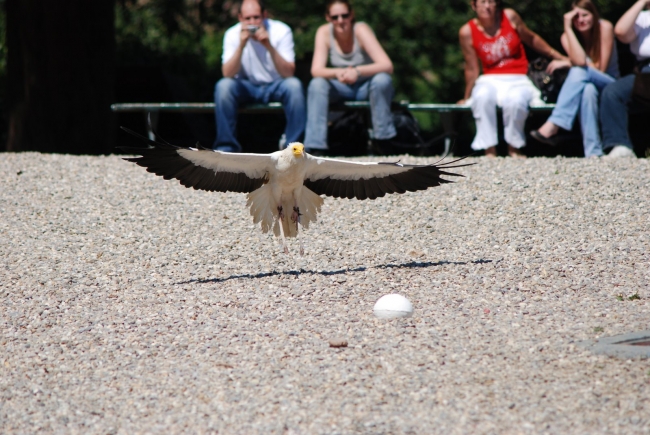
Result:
[{"x": 297, "y": 149}]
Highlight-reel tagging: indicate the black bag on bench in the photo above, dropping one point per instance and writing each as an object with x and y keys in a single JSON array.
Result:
[
  {"x": 548, "y": 84},
  {"x": 347, "y": 133}
]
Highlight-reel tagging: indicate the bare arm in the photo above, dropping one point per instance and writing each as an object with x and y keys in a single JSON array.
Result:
[
  {"x": 232, "y": 66},
  {"x": 471, "y": 60},
  {"x": 532, "y": 39},
  {"x": 624, "y": 29},
  {"x": 606, "y": 44},
  {"x": 321, "y": 52},
  {"x": 571, "y": 42},
  {"x": 380, "y": 60},
  {"x": 284, "y": 68}
]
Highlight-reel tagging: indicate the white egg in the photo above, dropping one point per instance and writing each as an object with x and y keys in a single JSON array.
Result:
[{"x": 393, "y": 306}]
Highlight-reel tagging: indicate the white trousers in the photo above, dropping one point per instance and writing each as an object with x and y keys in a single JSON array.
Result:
[{"x": 514, "y": 93}]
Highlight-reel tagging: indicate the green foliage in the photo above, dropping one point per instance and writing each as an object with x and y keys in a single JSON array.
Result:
[
  {"x": 634, "y": 297},
  {"x": 160, "y": 33}
]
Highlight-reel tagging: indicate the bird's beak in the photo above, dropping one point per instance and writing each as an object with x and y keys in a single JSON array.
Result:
[{"x": 298, "y": 150}]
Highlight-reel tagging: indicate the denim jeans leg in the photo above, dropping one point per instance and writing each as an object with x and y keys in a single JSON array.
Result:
[
  {"x": 589, "y": 121},
  {"x": 380, "y": 96},
  {"x": 599, "y": 78},
  {"x": 290, "y": 93},
  {"x": 318, "y": 97},
  {"x": 226, "y": 103},
  {"x": 568, "y": 100},
  {"x": 320, "y": 93},
  {"x": 614, "y": 102}
]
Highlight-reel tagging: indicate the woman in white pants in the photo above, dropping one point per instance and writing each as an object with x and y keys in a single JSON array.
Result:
[{"x": 496, "y": 37}]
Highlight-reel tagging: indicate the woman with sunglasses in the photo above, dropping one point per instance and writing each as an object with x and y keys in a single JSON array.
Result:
[
  {"x": 594, "y": 64},
  {"x": 359, "y": 70},
  {"x": 496, "y": 37}
]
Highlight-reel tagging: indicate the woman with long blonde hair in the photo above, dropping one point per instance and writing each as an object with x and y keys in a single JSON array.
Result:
[{"x": 589, "y": 41}]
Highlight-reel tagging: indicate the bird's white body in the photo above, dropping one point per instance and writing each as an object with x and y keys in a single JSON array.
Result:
[{"x": 285, "y": 189}]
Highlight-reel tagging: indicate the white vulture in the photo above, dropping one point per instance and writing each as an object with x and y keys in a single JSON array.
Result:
[{"x": 283, "y": 187}]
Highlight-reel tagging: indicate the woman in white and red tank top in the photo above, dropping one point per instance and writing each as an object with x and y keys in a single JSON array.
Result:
[{"x": 495, "y": 38}]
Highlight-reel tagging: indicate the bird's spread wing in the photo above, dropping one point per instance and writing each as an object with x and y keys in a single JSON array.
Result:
[
  {"x": 362, "y": 180},
  {"x": 202, "y": 168}
]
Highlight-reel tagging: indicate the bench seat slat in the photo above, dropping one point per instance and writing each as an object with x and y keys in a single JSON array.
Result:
[{"x": 273, "y": 107}]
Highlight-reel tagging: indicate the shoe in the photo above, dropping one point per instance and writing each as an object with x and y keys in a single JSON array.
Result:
[
  {"x": 620, "y": 151},
  {"x": 317, "y": 152},
  {"x": 553, "y": 141},
  {"x": 228, "y": 148}
]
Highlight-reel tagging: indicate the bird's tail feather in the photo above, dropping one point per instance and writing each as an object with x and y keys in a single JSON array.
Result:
[
  {"x": 264, "y": 210},
  {"x": 262, "y": 207},
  {"x": 309, "y": 205}
]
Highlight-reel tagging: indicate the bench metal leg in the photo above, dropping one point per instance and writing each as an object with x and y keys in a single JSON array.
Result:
[
  {"x": 449, "y": 120},
  {"x": 151, "y": 121}
]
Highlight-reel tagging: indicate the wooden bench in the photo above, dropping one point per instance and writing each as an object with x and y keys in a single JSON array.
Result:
[{"x": 448, "y": 112}]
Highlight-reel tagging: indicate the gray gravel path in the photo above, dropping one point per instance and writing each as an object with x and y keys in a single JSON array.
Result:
[{"x": 131, "y": 304}]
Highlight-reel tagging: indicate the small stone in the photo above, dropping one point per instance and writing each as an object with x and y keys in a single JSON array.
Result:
[{"x": 338, "y": 342}]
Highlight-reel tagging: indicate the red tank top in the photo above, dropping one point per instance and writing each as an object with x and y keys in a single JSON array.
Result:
[{"x": 502, "y": 54}]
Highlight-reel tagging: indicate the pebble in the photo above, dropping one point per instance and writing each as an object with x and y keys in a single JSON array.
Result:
[
  {"x": 130, "y": 304},
  {"x": 338, "y": 342}
]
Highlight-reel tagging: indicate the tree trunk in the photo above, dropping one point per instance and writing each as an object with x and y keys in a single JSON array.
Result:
[{"x": 60, "y": 75}]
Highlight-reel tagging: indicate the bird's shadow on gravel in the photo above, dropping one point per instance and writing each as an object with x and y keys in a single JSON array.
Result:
[{"x": 408, "y": 265}]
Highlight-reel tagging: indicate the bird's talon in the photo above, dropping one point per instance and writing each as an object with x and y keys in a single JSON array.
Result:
[{"x": 295, "y": 216}]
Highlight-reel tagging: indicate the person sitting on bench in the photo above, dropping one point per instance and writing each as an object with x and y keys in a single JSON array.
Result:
[
  {"x": 258, "y": 67},
  {"x": 496, "y": 37},
  {"x": 360, "y": 71},
  {"x": 618, "y": 101}
]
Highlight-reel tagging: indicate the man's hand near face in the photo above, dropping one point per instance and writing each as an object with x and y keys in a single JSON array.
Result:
[{"x": 261, "y": 35}]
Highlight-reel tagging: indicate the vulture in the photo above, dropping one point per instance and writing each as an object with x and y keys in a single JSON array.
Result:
[{"x": 283, "y": 188}]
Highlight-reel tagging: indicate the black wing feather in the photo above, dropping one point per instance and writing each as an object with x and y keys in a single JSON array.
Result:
[
  {"x": 413, "y": 178},
  {"x": 162, "y": 158}
]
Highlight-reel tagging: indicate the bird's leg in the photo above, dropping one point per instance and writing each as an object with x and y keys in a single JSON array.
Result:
[
  {"x": 280, "y": 218},
  {"x": 295, "y": 217}
]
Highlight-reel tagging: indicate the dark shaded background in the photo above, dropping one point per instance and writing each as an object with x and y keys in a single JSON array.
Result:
[{"x": 63, "y": 63}]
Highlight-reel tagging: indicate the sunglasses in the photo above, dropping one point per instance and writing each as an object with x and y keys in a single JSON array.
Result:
[{"x": 343, "y": 16}]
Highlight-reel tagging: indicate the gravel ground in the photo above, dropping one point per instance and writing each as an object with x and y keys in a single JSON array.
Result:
[{"x": 131, "y": 304}]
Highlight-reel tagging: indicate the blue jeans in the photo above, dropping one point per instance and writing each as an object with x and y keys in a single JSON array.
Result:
[
  {"x": 615, "y": 104},
  {"x": 377, "y": 89},
  {"x": 579, "y": 93},
  {"x": 230, "y": 93}
]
